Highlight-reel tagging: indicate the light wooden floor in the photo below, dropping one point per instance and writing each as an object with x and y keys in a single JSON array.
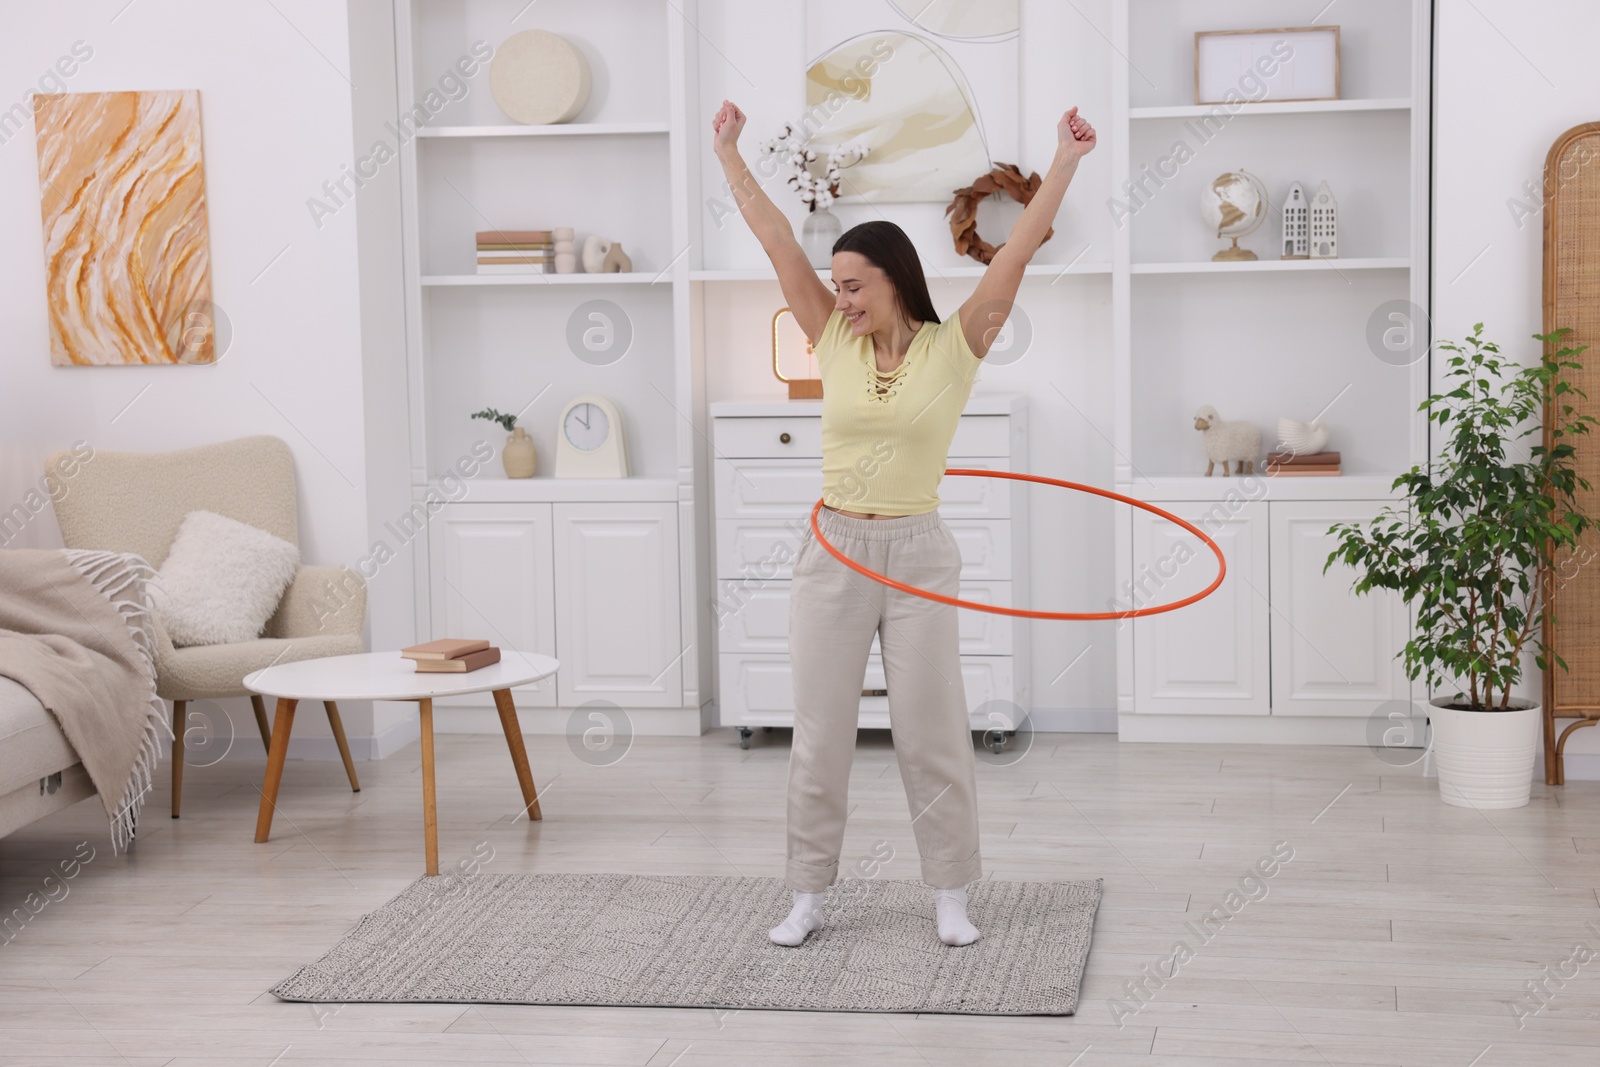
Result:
[{"x": 1396, "y": 935}]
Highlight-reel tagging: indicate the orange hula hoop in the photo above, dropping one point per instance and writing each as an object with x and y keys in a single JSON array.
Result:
[{"x": 1132, "y": 613}]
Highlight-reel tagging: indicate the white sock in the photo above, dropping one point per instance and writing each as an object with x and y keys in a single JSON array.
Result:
[
  {"x": 950, "y": 909},
  {"x": 803, "y": 919}
]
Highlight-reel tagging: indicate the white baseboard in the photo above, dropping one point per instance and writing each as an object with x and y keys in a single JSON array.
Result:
[
  {"x": 644, "y": 722},
  {"x": 1578, "y": 766},
  {"x": 247, "y": 746},
  {"x": 1043, "y": 720},
  {"x": 1244, "y": 729},
  {"x": 1073, "y": 720},
  {"x": 691, "y": 722}
]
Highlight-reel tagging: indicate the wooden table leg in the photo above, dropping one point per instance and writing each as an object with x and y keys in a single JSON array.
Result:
[
  {"x": 519, "y": 752},
  {"x": 275, "y": 757},
  {"x": 430, "y": 820},
  {"x": 180, "y": 722},
  {"x": 337, "y": 725},
  {"x": 261, "y": 721}
]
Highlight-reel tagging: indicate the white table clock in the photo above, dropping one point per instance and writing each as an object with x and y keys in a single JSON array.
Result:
[{"x": 589, "y": 442}]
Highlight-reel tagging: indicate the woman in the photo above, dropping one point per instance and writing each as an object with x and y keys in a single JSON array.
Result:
[{"x": 895, "y": 380}]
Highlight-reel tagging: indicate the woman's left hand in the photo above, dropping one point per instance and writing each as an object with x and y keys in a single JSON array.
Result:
[{"x": 1076, "y": 136}]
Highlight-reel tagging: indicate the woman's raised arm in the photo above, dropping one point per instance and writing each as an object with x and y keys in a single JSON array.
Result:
[
  {"x": 986, "y": 310},
  {"x": 808, "y": 298}
]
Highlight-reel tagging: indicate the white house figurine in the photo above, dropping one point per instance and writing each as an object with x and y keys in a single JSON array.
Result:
[
  {"x": 1324, "y": 224},
  {"x": 1295, "y": 244}
]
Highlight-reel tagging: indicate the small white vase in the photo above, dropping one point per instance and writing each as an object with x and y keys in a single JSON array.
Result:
[
  {"x": 566, "y": 258},
  {"x": 1485, "y": 758},
  {"x": 595, "y": 250},
  {"x": 817, "y": 235}
]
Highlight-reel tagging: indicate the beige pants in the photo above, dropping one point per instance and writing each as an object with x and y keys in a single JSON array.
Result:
[{"x": 833, "y": 613}]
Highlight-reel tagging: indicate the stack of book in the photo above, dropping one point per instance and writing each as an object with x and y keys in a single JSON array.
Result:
[
  {"x": 451, "y": 655},
  {"x": 516, "y": 252},
  {"x": 1308, "y": 463}
]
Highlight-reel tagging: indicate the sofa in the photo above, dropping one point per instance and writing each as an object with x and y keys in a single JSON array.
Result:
[{"x": 39, "y": 771}]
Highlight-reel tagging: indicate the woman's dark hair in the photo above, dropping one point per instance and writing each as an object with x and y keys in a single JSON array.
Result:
[{"x": 888, "y": 248}]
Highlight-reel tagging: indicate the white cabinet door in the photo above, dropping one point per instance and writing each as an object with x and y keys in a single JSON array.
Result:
[
  {"x": 1211, "y": 656},
  {"x": 616, "y": 581},
  {"x": 490, "y": 567},
  {"x": 1333, "y": 653}
]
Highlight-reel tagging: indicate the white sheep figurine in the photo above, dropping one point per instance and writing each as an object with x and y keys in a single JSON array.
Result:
[{"x": 1239, "y": 441}]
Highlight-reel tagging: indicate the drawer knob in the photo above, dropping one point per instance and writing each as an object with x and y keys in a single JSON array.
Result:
[{"x": 784, "y": 437}]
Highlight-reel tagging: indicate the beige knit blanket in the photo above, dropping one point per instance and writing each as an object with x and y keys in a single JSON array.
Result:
[{"x": 76, "y": 631}]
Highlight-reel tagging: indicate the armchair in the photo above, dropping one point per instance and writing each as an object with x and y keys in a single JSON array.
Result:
[{"x": 134, "y": 502}]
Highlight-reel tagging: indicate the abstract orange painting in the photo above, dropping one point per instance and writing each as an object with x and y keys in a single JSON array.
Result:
[{"x": 127, "y": 253}]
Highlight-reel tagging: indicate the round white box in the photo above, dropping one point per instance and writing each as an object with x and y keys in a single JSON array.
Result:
[{"x": 538, "y": 78}]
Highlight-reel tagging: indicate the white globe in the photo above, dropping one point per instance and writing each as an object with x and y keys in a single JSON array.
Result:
[{"x": 1234, "y": 204}]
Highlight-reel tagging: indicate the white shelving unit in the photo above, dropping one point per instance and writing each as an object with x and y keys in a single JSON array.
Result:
[
  {"x": 589, "y": 570},
  {"x": 1287, "y": 339},
  {"x": 1281, "y": 652}
]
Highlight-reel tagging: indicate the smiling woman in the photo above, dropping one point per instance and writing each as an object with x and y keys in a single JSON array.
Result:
[{"x": 895, "y": 381}]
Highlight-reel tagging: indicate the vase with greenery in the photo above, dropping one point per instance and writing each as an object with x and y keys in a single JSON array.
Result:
[
  {"x": 1471, "y": 550},
  {"x": 518, "y": 455}
]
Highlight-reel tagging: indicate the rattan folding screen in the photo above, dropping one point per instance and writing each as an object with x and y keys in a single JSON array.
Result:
[{"x": 1572, "y": 299}]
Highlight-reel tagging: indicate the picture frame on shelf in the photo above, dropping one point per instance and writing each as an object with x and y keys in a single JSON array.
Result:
[{"x": 1224, "y": 59}]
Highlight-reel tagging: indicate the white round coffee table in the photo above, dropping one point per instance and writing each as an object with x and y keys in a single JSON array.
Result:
[{"x": 387, "y": 676}]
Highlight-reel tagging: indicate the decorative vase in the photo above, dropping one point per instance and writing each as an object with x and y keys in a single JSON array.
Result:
[
  {"x": 817, "y": 235},
  {"x": 1485, "y": 758},
  {"x": 595, "y": 249},
  {"x": 616, "y": 261},
  {"x": 518, "y": 455},
  {"x": 566, "y": 256}
]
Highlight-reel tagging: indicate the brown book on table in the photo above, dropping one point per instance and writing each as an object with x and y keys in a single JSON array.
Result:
[
  {"x": 470, "y": 662},
  {"x": 1315, "y": 459},
  {"x": 1299, "y": 472},
  {"x": 444, "y": 648}
]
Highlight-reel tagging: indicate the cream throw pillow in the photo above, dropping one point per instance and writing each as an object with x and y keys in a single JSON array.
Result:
[{"x": 222, "y": 580}]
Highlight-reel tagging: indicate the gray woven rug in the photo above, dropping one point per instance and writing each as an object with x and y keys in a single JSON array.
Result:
[{"x": 621, "y": 939}]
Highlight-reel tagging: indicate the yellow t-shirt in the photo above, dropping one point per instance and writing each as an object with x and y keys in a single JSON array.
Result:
[{"x": 886, "y": 437}]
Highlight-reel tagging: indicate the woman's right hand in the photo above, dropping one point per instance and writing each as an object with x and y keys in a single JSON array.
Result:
[{"x": 726, "y": 125}]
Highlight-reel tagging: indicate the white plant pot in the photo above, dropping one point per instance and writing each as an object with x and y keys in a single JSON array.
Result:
[{"x": 1485, "y": 758}]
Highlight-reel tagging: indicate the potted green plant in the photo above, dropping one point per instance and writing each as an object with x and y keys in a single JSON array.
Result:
[
  {"x": 518, "y": 455},
  {"x": 1471, "y": 550}
]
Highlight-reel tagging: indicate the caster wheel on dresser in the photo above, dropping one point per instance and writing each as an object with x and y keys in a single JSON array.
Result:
[
  {"x": 996, "y": 739},
  {"x": 744, "y": 736}
]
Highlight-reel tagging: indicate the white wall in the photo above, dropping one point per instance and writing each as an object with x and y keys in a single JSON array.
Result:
[
  {"x": 275, "y": 97},
  {"x": 1509, "y": 79}
]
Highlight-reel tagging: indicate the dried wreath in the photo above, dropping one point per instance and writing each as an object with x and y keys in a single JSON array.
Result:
[{"x": 963, "y": 211}]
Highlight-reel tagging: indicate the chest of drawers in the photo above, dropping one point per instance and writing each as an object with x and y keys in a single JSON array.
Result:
[{"x": 767, "y": 462}]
